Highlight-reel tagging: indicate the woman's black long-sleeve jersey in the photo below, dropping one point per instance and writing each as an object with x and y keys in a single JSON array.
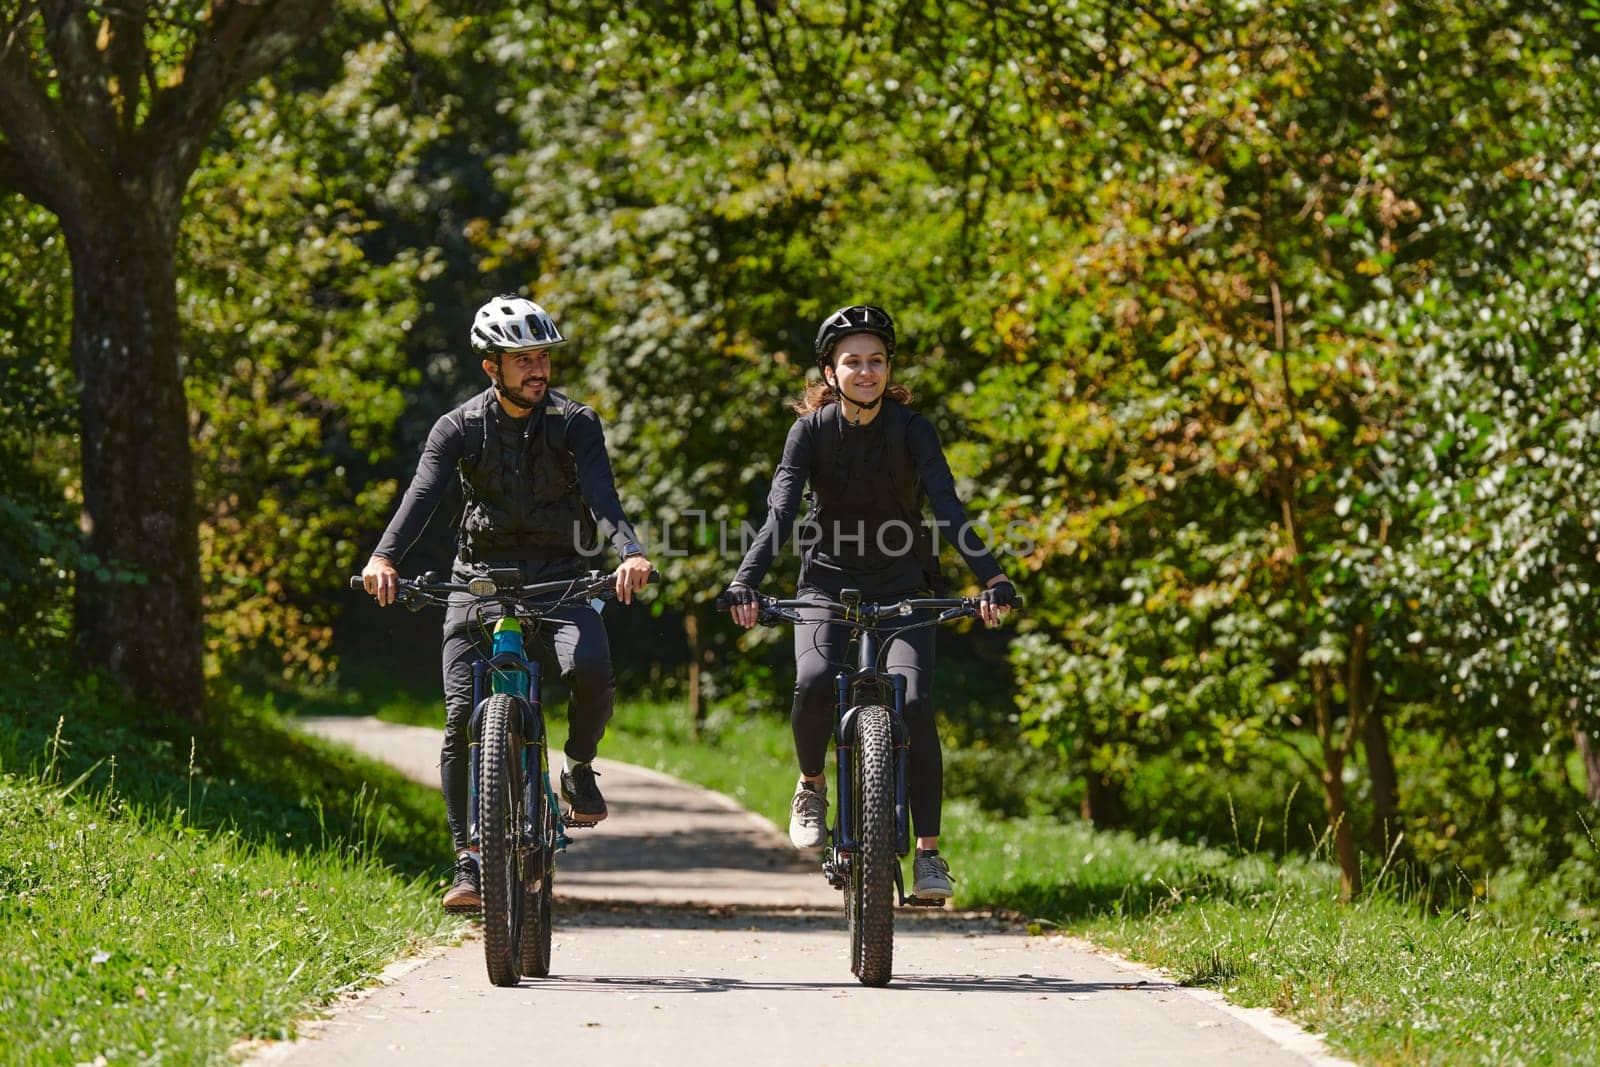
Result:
[{"x": 864, "y": 516}]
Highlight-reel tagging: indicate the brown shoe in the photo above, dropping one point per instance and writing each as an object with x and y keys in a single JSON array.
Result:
[{"x": 462, "y": 896}]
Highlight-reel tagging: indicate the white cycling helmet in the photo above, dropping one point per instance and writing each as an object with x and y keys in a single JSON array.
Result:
[{"x": 510, "y": 323}]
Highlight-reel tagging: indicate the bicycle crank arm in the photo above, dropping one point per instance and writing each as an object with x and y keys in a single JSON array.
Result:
[{"x": 912, "y": 902}]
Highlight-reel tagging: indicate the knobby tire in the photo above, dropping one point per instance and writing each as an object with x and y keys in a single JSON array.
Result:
[
  {"x": 499, "y": 816},
  {"x": 870, "y": 896},
  {"x": 533, "y": 947}
]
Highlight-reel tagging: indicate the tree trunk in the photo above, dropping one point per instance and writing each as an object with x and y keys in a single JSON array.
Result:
[
  {"x": 1589, "y": 754},
  {"x": 89, "y": 131},
  {"x": 693, "y": 625},
  {"x": 138, "y": 484},
  {"x": 1386, "y": 826},
  {"x": 1102, "y": 802},
  {"x": 1344, "y": 838},
  {"x": 1336, "y": 742}
]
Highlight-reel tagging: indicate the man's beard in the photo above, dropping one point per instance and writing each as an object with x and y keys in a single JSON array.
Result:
[{"x": 520, "y": 395}]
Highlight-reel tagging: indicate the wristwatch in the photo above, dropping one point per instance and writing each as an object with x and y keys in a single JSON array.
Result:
[{"x": 631, "y": 549}]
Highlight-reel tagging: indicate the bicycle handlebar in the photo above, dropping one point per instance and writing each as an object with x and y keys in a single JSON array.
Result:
[
  {"x": 421, "y": 590},
  {"x": 773, "y": 608}
]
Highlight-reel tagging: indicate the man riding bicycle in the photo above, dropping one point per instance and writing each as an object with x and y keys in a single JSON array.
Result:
[{"x": 537, "y": 482}]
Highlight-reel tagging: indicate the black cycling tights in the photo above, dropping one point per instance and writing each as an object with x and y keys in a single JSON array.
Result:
[{"x": 819, "y": 654}]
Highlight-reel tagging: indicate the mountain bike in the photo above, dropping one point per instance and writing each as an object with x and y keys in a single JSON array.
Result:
[
  {"x": 871, "y": 832},
  {"x": 513, "y": 818}
]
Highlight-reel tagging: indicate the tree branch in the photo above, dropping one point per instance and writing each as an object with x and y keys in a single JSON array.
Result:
[
  {"x": 13, "y": 27},
  {"x": 16, "y": 175},
  {"x": 127, "y": 57},
  {"x": 247, "y": 39},
  {"x": 80, "y": 74},
  {"x": 35, "y": 161}
]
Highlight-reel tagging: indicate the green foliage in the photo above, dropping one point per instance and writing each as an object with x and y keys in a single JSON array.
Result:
[
  {"x": 163, "y": 899},
  {"x": 1272, "y": 325},
  {"x": 298, "y": 338},
  {"x": 39, "y": 546}
]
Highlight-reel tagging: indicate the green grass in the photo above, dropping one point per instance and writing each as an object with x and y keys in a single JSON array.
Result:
[
  {"x": 1387, "y": 982},
  {"x": 162, "y": 898}
]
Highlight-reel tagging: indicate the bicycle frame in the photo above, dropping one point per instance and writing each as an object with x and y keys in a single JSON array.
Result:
[
  {"x": 509, "y": 670},
  {"x": 518, "y": 851},
  {"x": 868, "y": 685},
  {"x": 848, "y": 685}
]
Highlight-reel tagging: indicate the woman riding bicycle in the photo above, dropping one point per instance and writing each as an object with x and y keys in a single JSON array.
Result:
[{"x": 871, "y": 463}]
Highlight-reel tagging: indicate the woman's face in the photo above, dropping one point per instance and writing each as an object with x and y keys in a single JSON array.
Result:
[{"x": 860, "y": 367}]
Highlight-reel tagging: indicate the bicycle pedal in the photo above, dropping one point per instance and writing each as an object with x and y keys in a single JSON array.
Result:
[{"x": 925, "y": 902}]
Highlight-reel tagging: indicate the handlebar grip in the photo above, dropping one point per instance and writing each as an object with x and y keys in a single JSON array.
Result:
[
  {"x": 721, "y": 603},
  {"x": 358, "y": 583}
]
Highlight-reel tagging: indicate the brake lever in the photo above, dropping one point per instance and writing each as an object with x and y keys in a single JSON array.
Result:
[{"x": 774, "y": 616}]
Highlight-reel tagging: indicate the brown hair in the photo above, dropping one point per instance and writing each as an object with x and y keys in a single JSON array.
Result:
[{"x": 819, "y": 394}]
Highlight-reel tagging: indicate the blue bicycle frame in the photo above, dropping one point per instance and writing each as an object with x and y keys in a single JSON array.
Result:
[{"x": 509, "y": 670}]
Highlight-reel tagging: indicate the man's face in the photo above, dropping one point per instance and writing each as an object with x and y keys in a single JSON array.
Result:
[{"x": 524, "y": 374}]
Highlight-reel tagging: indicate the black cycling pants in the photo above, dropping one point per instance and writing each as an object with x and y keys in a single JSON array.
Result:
[{"x": 819, "y": 654}]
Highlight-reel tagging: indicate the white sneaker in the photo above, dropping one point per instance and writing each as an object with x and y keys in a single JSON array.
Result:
[
  {"x": 932, "y": 875},
  {"x": 808, "y": 817}
]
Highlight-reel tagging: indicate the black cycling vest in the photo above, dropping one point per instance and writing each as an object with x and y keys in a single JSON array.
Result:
[{"x": 520, "y": 483}]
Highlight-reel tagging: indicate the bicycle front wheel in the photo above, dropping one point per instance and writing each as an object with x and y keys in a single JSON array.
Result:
[
  {"x": 533, "y": 945},
  {"x": 870, "y": 895},
  {"x": 500, "y": 819}
]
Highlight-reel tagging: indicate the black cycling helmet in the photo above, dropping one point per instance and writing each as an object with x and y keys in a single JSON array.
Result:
[{"x": 856, "y": 318}]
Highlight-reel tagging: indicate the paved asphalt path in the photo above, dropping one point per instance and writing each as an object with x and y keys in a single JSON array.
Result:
[{"x": 687, "y": 931}]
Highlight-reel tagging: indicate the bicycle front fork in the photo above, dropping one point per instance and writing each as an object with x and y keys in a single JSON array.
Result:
[
  {"x": 844, "y": 769},
  {"x": 535, "y": 764}
]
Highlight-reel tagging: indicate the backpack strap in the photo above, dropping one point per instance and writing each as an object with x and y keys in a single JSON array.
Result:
[
  {"x": 560, "y": 410},
  {"x": 473, "y": 417},
  {"x": 824, "y": 449},
  {"x": 902, "y": 468}
]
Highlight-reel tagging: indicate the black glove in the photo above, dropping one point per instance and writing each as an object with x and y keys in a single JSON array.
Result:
[
  {"x": 1001, "y": 595},
  {"x": 737, "y": 595}
]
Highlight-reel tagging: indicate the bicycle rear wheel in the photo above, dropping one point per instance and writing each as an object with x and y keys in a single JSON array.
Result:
[
  {"x": 869, "y": 898},
  {"x": 533, "y": 944},
  {"x": 500, "y": 819}
]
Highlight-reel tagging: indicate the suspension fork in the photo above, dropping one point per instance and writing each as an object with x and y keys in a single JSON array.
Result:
[
  {"x": 535, "y": 758},
  {"x": 843, "y": 769},
  {"x": 902, "y": 766},
  {"x": 845, "y": 743},
  {"x": 475, "y": 748}
]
